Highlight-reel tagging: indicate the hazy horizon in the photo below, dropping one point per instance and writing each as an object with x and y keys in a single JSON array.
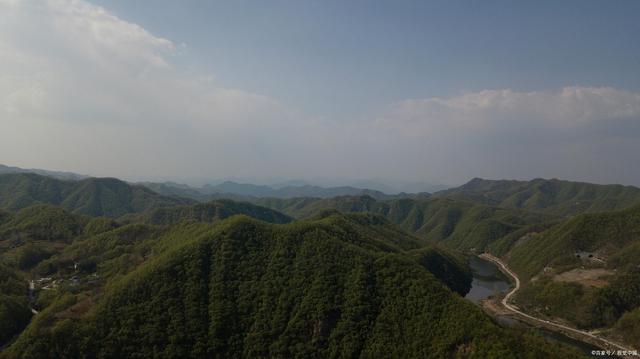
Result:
[
  {"x": 386, "y": 92},
  {"x": 388, "y": 187}
]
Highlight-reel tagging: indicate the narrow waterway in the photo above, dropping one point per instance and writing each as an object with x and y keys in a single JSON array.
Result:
[{"x": 488, "y": 280}]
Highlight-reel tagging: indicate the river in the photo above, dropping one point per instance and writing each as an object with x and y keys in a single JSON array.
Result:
[{"x": 489, "y": 280}]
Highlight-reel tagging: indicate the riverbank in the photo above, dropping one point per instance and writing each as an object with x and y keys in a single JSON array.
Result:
[{"x": 502, "y": 306}]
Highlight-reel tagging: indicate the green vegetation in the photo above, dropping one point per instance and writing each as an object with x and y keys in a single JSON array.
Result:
[
  {"x": 458, "y": 224},
  {"x": 554, "y": 299},
  {"x": 610, "y": 234},
  {"x": 586, "y": 307},
  {"x": 14, "y": 310},
  {"x": 336, "y": 286},
  {"x": 611, "y": 302},
  {"x": 210, "y": 212},
  {"x": 503, "y": 245},
  {"x": 42, "y": 222},
  {"x": 553, "y": 196},
  {"x": 248, "y": 192},
  {"x": 133, "y": 273},
  {"x": 629, "y": 327},
  {"x": 36, "y": 233},
  {"x": 37, "y": 237},
  {"x": 607, "y": 241},
  {"x": 438, "y": 261},
  {"x": 99, "y": 225},
  {"x": 92, "y": 196},
  {"x": 306, "y": 207}
]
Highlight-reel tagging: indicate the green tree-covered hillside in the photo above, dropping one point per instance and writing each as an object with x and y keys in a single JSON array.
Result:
[
  {"x": 459, "y": 224},
  {"x": 210, "y": 212},
  {"x": 91, "y": 196},
  {"x": 557, "y": 197},
  {"x": 331, "y": 287}
]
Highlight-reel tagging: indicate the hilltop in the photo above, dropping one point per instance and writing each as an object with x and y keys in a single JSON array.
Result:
[
  {"x": 209, "y": 212},
  {"x": 92, "y": 196},
  {"x": 54, "y": 174},
  {"x": 551, "y": 196}
]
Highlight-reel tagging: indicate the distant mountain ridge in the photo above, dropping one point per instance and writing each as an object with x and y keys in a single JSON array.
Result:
[
  {"x": 552, "y": 196},
  {"x": 92, "y": 196},
  {"x": 246, "y": 191},
  {"x": 55, "y": 174}
]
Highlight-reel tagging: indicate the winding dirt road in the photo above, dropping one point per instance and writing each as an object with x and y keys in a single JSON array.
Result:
[{"x": 505, "y": 303}]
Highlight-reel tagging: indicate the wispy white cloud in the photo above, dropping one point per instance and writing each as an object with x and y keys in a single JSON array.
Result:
[
  {"x": 68, "y": 64},
  {"x": 571, "y": 107},
  {"x": 576, "y": 132},
  {"x": 81, "y": 89}
]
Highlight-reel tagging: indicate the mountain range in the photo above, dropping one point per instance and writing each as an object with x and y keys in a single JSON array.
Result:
[
  {"x": 247, "y": 191},
  {"x": 121, "y": 268},
  {"x": 55, "y": 174},
  {"x": 91, "y": 196},
  {"x": 552, "y": 196}
]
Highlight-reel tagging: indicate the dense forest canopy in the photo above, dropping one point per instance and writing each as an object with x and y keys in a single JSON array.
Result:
[{"x": 335, "y": 286}]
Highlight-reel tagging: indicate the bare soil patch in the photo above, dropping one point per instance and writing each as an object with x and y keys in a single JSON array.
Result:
[
  {"x": 587, "y": 277},
  {"x": 77, "y": 310}
]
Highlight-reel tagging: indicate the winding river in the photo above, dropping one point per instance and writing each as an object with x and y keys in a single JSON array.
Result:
[{"x": 489, "y": 280}]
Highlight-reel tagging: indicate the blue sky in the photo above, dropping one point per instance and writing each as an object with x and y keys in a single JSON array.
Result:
[
  {"x": 332, "y": 92},
  {"x": 346, "y": 57}
]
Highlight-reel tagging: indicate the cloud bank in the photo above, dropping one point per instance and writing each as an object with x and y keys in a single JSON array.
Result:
[
  {"x": 588, "y": 133},
  {"x": 82, "y": 90}
]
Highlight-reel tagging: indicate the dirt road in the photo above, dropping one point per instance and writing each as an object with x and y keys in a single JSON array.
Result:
[{"x": 546, "y": 323}]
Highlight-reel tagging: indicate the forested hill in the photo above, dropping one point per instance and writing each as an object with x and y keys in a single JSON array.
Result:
[
  {"x": 48, "y": 241},
  {"x": 460, "y": 224},
  {"x": 613, "y": 237},
  {"x": 552, "y": 196},
  {"x": 208, "y": 212},
  {"x": 247, "y": 191},
  {"x": 336, "y": 286},
  {"x": 92, "y": 196},
  {"x": 55, "y": 174}
]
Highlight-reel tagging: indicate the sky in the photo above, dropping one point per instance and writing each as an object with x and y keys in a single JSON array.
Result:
[{"x": 395, "y": 92}]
